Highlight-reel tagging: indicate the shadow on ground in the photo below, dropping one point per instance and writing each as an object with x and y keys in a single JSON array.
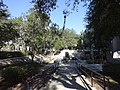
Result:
[{"x": 65, "y": 78}]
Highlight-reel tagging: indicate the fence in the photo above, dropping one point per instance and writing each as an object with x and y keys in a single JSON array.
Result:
[
  {"x": 40, "y": 79},
  {"x": 95, "y": 77}
]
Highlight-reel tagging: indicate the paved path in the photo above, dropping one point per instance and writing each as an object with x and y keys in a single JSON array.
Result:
[{"x": 66, "y": 78}]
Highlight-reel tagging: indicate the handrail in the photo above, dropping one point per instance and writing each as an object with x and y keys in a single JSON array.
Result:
[
  {"x": 85, "y": 83},
  {"x": 95, "y": 75},
  {"x": 38, "y": 80}
]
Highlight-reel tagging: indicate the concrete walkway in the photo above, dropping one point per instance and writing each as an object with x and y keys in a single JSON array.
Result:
[{"x": 66, "y": 78}]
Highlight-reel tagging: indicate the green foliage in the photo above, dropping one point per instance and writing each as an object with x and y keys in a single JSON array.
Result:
[
  {"x": 104, "y": 17},
  {"x": 7, "y": 29},
  {"x": 41, "y": 38},
  {"x": 79, "y": 43},
  {"x": 69, "y": 38},
  {"x": 18, "y": 73},
  {"x": 58, "y": 44},
  {"x": 3, "y": 10},
  {"x": 13, "y": 74},
  {"x": 35, "y": 33},
  {"x": 45, "y": 6},
  {"x": 25, "y": 52}
]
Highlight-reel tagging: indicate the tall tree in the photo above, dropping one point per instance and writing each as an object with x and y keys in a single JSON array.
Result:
[
  {"x": 45, "y": 6},
  {"x": 7, "y": 29},
  {"x": 104, "y": 17},
  {"x": 36, "y": 29}
]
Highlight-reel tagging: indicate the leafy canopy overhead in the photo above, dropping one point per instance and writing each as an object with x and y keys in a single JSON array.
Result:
[{"x": 47, "y": 6}]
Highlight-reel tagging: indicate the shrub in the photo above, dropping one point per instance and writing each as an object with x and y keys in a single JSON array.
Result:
[
  {"x": 20, "y": 72},
  {"x": 13, "y": 74}
]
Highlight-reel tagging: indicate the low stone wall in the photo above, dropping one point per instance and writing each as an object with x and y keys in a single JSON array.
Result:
[{"x": 15, "y": 60}]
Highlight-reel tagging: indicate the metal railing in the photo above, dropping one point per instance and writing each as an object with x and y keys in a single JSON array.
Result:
[
  {"x": 39, "y": 80},
  {"x": 95, "y": 77},
  {"x": 84, "y": 82}
]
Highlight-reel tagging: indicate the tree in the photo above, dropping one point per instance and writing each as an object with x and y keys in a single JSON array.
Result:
[
  {"x": 68, "y": 38},
  {"x": 49, "y": 5},
  {"x": 7, "y": 29},
  {"x": 36, "y": 30},
  {"x": 45, "y": 6},
  {"x": 58, "y": 43},
  {"x": 104, "y": 17}
]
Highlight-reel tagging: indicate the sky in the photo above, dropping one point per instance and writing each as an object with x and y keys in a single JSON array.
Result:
[{"x": 74, "y": 21}]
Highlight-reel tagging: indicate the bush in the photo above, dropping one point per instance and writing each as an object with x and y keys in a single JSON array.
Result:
[{"x": 15, "y": 74}]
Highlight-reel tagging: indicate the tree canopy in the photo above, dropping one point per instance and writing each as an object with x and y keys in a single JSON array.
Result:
[
  {"x": 38, "y": 32},
  {"x": 104, "y": 16},
  {"x": 8, "y": 30}
]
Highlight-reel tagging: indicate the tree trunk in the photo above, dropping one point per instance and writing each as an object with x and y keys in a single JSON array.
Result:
[{"x": 109, "y": 56}]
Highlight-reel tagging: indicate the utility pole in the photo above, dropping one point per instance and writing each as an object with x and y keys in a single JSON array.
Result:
[
  {"x": 64, "y": 22},
  {"x": 66, "y": 13}
]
